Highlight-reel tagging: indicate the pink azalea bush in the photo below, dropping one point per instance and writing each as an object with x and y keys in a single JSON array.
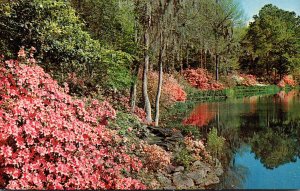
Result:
[
  {"x": 201, "y": 79},
  {"x": 49, "y": 140},
  {"x": 287, "y": 80},
  {"x": 248, "y": 80}
]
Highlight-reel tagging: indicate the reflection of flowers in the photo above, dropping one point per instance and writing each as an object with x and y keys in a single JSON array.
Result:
[
  {"x": 286, "y": 98},
  {"x": 200, "y": 116}
]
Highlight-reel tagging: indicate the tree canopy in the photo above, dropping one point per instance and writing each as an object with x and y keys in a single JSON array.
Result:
[{"x": 272, "y": 42}]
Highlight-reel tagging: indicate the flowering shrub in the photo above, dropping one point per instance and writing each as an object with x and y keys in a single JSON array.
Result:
[
  {"x": 197, "y": 148},
  {"x": 156, "y": 157},
  {"x": 48, "y": 140},
  {"x": 287, "y": 80},
  {"x": 200, "y": 78},
  {"x": 248, "y": 80},
  {"x": 171, "y": 90},
  {"x": 200, "y": 116}
]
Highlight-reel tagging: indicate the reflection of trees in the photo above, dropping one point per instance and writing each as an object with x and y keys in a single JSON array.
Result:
[
  {"x": 235, "y": 177},
  {"x": 270, "y": 124},
  {"x": 274, "y": 148},
  {"x": 272, "y": 128}
]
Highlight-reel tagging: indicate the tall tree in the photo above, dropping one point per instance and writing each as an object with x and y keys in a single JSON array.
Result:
[{"x": 272, "y": 43}]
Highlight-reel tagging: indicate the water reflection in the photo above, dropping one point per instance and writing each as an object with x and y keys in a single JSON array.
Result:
[
  {"x": 269, "y": 126},
  {"x": 200, "y": 116}
]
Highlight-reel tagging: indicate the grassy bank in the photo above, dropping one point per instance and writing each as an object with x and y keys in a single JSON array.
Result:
[{"x": 236, "y": 92}]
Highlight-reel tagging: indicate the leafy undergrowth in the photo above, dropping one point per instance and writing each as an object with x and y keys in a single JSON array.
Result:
[
  {"x": 49, "y": 140},
  {"x": 202, "y": 79}
]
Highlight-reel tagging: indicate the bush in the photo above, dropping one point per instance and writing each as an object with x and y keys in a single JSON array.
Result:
[
  {"x": 63, "y": 47},
  {"x": 201, "y": 79},
  {"x": 171, "y": 93},
  {"x": 197, "y": 148},
  {"x": 48, "y": 140},
  {"x": 184, "y": 157},
  {"x": 287, "y": 80},
  {"x": 248, "y": 80},
  {"x": 155, "y": 157},
  {"x": 215, "y": 143}
]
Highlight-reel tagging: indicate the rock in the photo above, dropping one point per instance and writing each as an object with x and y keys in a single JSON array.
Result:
[
  {"x": 212, "y": 178},
  {"x": 183, "y": 181},
  {"x": 218, "y": 168},
  {"x": 164, "y": 181},
  {"x": 198, "y": 176},
  {"x": 170, "y": 168},
  {"x": 219, "y": 171},
  {"x": 165, "y": 137},
  {"x": 201, "y": 165},
  {"x": 179, "y": 169},
  {"x": 169, "y": 188}
]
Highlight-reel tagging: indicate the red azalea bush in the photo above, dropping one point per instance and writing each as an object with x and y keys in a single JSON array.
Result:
[
  {"x": 201, "y": 79},
  {"x": 48, "y": 140},
  {"x": 287, "y": 80}
]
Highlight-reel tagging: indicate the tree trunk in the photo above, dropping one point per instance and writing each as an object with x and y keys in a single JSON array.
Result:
[
  {"x": 217, "y": 67},
  {"x": 160, "y": 80},
  {"x": 133, "y": 87},
  {"x": 180, "y": 60},
  {"x": 187, "y": 57},
  {"x": 135, "y": 72},
  {"x": 146, "y": 68},
  {"x": 201, "y": 58},
  {"x": 205, "y": 59}
]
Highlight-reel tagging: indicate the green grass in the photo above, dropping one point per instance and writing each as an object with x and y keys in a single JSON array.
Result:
[{"x": 236, "y": 92}]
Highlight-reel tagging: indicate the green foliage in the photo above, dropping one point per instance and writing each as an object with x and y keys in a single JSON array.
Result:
[
  {"x": 215, "y": 143},
  {"x": 272, "y": 43},
  {"x": 112, "y": 22},
  {"x": 118, "y": 64},
  {"x": 183, "y": 157},
  {"x": 125, "y": 122},
  {"x": 62, "y": 45}
]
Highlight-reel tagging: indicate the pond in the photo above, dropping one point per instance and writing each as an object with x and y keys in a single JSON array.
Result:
[{"x": 262, "y": 139}]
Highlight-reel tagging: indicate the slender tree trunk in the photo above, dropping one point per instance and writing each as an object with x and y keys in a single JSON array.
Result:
[
  {"x": 201, "y": 58},
  {"x": 217, "y": 67},
  {"x": 146, "y": 67},
  {"x": 187, "y": 57},
  {"x": 133, "y": 87},
  {"x": 181, "y": 60},
  {"x": 205, "y": 59},
  {"x": 160, "y": 79},
  {"x": 135, "y": 74}
]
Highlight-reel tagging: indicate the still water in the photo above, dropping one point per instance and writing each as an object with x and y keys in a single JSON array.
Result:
[{"x": 262, "y": 139}]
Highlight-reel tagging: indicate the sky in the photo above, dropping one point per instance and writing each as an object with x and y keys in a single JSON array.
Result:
[{"x": 252, "y": 7}]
